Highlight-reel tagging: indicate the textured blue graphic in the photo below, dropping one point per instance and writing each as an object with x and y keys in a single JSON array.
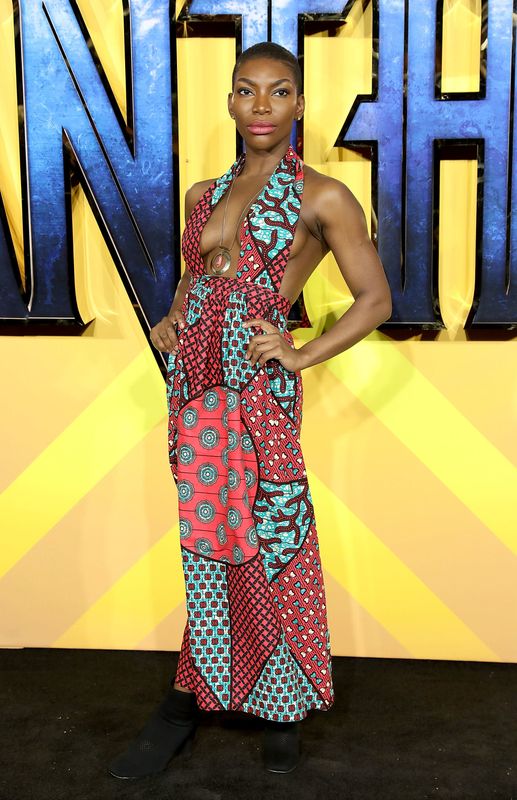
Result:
[
  {"x": 254, "y": 17},
  {"x": 69, "y": 117},
  {"x": 285, "y": 16},
  {"x": 132, "y": 195},
  {"x": 430, "y": 119}
]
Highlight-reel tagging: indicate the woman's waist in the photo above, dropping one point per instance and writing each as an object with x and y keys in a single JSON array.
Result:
[{"x": 221, "y": 292}]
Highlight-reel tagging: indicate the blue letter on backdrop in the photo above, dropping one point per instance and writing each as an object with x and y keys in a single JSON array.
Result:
[
  {"x": 486, "y": 119},
  {"x": 69, "y": 117},
  {"x": 67, "y": 109},
  {"x": 406, "y": 162}
]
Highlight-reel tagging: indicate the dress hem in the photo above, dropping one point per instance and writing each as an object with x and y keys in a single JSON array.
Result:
[{"x": 272, "y": 716}]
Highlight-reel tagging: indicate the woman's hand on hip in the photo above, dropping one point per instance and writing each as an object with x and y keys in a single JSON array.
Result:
[
  {"x": 163, "y": 335},
  {"x": 271, "y": 344}
]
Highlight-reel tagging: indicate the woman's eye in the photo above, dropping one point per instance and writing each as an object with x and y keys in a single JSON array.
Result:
[
  {"x": 285, "y": 92},
  {"x": 244, "y": 89}
]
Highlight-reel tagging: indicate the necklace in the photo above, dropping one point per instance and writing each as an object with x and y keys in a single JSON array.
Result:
[{"x": 222, "y": 259}]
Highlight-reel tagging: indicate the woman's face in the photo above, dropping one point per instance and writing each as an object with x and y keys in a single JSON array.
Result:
[{"x": 264, "y": 102}]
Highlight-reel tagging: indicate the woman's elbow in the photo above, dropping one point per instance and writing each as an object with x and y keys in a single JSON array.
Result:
[
  {"x": 386, "y": 308},
  {"x": 382, "y": 306}
]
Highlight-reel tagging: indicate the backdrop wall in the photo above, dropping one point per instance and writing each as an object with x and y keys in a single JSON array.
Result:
[{"x": 410, "y": 445}]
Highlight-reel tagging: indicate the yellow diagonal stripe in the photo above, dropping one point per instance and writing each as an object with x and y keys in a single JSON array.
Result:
[
  {"x": 136, "y": 603},
  {"x": 357, "y": 559},
  {"x": 386, "y": 587},
  {"x": 412, "y": 408},
  {"x": 98, "y": 438},
  {"x": 105, "y": 24}
]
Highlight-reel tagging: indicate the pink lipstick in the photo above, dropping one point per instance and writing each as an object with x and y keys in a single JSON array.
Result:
[{"x": 261, "y": 128}]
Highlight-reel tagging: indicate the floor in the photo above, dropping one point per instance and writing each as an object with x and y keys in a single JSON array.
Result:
[{"x": 399, "y": 729}]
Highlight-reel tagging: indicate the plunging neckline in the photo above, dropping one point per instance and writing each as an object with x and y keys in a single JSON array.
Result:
[
  {"x": 267, "y": 230},
  {"x": 233, "y": 172}
]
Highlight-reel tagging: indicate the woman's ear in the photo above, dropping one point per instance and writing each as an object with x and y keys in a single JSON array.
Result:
[
  {"x": 230, "y": 105},
  {"x": 300, "y": 106}
]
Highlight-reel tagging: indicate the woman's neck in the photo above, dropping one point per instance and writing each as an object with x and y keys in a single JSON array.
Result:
[{"x": 263, "y": 162}]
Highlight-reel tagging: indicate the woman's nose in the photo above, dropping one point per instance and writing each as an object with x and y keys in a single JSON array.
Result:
[{"x": 262, "y": 104}]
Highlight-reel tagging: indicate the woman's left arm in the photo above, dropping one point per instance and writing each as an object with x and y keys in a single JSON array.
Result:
[
  {"x": 342, "y": 222},
  {"x": 344, "y": 229}
]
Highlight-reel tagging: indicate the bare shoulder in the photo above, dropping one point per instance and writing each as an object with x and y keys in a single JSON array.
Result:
[
  {"x": 335, "y": 210},
  {"x": 194, "y": 194},
  {"x": 329, "y": 196}
]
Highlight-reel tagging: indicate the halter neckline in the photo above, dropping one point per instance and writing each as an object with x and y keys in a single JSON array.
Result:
[
  {"x": 267, "y": 230},
  {"x": 289, "y": 155},
  {"x": 290, "y": 162}
]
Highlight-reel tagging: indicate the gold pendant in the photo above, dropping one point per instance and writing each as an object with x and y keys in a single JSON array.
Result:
[{"x": 221, "y": 261}]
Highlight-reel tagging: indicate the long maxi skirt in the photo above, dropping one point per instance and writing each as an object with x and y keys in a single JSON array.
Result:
[{"x": 256, "y": 638}]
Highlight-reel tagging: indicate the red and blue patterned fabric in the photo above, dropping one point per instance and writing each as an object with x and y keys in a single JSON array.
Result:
[{"x": 256, "y": 638}]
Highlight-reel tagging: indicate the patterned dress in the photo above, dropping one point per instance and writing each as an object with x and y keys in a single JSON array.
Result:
[{"x": 256, "y": 638}]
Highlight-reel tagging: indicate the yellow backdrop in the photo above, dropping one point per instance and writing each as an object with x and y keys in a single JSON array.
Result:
[{"x": 411, "y": 445}]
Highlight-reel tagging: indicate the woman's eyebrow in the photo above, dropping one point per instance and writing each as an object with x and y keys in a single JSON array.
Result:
[{"x": 274, "y": 83}]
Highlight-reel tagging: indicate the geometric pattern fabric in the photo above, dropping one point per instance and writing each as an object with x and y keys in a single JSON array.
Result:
[{"x": 256, "y": 638}]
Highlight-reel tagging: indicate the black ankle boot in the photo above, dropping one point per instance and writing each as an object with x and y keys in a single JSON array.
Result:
[
  {"x": 281, "y": 746},
  {"x": 170, "y": 729}
]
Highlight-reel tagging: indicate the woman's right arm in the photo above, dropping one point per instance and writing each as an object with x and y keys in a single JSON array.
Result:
[{"x": 163, "y": 335}]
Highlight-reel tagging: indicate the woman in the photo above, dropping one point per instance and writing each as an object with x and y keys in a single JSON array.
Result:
[{"x": 256, "y": 639}]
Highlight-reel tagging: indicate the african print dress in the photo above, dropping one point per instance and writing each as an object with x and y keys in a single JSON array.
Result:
[{"x": 256, "y": 638}]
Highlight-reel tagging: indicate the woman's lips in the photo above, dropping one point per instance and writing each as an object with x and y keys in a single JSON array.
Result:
[{"x": 261, "y": 129}]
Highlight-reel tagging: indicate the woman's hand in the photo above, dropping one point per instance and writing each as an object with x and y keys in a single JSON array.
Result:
[
  {"x": 271, "y": 344},
  {"x": 163, "y": 335}
]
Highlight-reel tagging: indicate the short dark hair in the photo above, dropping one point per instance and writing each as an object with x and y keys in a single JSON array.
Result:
[{"x": 276, "y": 53}]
